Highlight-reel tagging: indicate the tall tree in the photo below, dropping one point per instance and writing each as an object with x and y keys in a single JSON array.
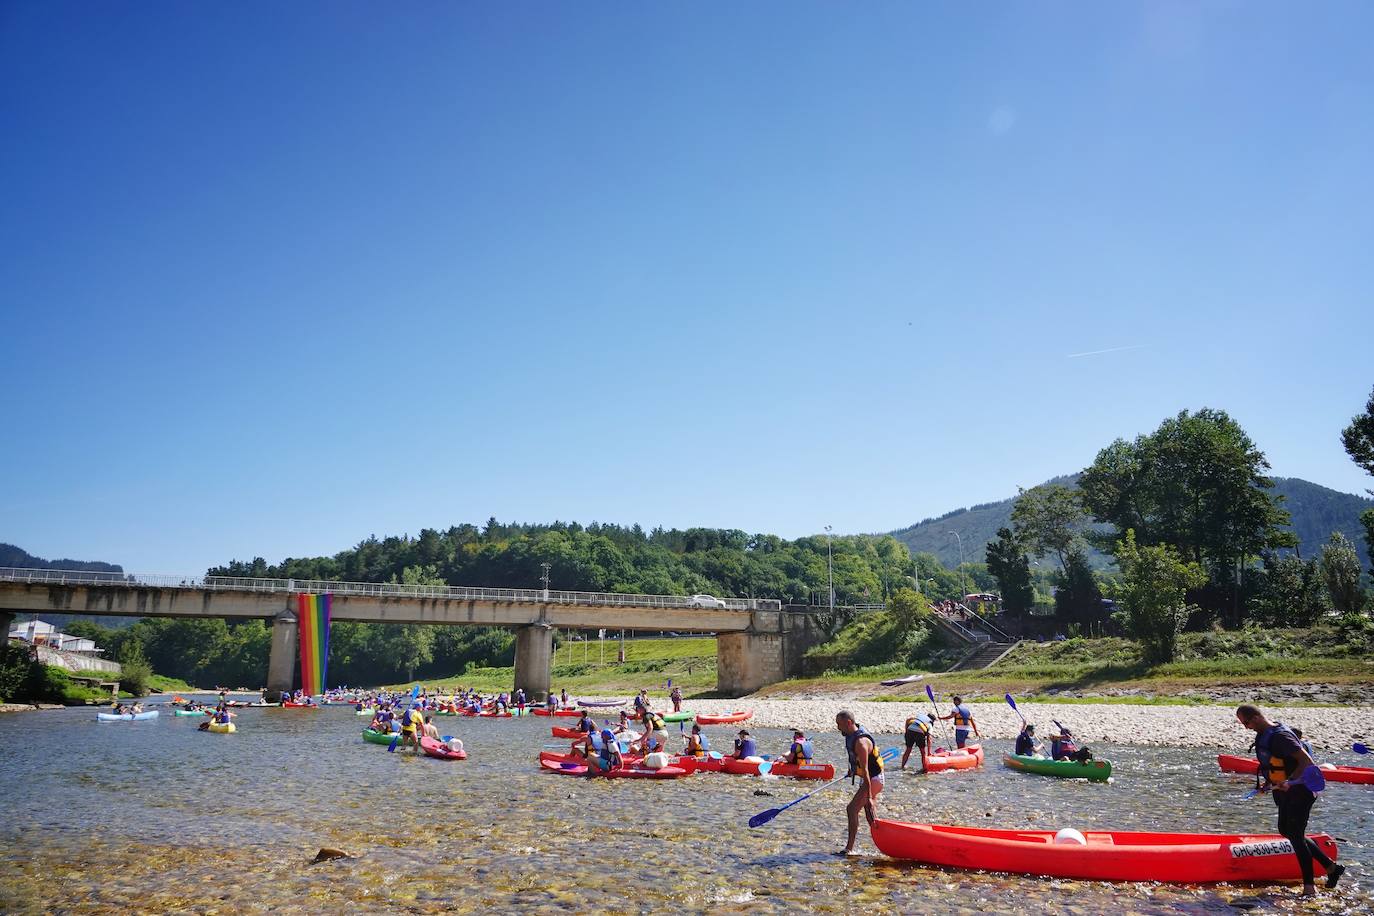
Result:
[
  {"x": 1341, "y": 570},
  {"x": 1196, "y": 483},
  {"x": 1155, "y": 585},
  {"x": 1077, "y": 595},
  {"x": 1047, "y": 520},
  {"x": 1009, "y": 565},
  {"x": 1292, "y": 592},
  {"x": 1358, "y": 439}
]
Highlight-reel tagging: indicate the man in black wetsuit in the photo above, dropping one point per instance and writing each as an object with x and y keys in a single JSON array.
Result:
[{"x": 1282, "y": 761}]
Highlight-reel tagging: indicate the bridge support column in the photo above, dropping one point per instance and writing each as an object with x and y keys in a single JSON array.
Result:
[
  {"x": 533, "y": 656},
  {"x": 6, "y": 621},
  {"x": 281, "y": 664},
  {"x": 746, "y": 662}
]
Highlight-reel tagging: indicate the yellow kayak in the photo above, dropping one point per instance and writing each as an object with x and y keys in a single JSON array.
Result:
[{"x": 225, "y": 728}]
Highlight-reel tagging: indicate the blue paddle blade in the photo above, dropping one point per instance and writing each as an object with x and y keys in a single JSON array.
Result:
[
  {"x": 1314, "y": 779},
  {"x": 392, "y": 748},
  {"x": 765, "y": 767},
  {"x": 890, "y": 754},
  {"x": 763, "y": 817},
  {"x": 1011, "y": 702},
  {"x": 1249, "y": 795},
  {"x": 1359, "y": 748},
  {"x": 930, "y": 693}
]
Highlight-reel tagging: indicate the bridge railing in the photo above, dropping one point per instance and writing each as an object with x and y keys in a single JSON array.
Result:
[{"x": 371, "y": 589}]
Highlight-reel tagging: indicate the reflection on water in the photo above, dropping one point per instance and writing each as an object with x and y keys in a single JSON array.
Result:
[{"x": 158, "y": 817}]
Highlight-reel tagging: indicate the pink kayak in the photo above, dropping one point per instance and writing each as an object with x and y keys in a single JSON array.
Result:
[{"x": 441, "y": 751}]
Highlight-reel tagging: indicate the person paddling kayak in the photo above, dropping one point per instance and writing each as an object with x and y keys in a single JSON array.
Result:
[
  {"x": 1063, "y": 747},
  {"x": 865, "y": 764},
  {"x": 918, "y": 735},
  {"x": 963, "y": 721},
  {"x": 745, "y": 746},
  {"x": 1282, "y": 762},
  {"x": 1026, "y": 745}
]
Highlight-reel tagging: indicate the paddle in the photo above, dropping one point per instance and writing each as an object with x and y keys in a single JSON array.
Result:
[
  {"x": 763, "y": 817},
  {"x": 930, "y": 693},
  {"x": 1012, "y": 704},
  {"x": 1359, "y": 748},
  {"x": 1312, "y": 777}
]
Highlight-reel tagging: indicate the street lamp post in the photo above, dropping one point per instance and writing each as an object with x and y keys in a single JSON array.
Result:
[
  {"x": 962, "y": 571},
  {"x": 545, "y": 579},
  {"x": 830, "y": 571}
]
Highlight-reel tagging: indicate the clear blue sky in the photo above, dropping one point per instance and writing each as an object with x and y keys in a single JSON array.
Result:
[{"x": 279, "y": 276}]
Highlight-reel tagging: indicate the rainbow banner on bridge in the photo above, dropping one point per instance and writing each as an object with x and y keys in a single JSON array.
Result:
[{"x": 312, "y": 619}]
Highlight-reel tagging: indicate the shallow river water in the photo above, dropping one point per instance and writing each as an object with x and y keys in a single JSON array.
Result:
[{"x": 158, "y": 817}]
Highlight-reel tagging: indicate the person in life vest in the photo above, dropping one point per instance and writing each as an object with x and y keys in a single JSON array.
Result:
[
  {"x": 963, "y": 721},
  {"x": 655, "y": 737},
  {"x": 587, "y": 726},
  {"x": 520, "y": 699},
  {"x": 695, "y": 744},
  {"x": 412, "y": 721},
  {"x": 745, "y": 746},
  {"x": 1026, "y": 745},
  {"x": 1063, "y": 747},
  {"x": 676, "y": 697},
  {"x": 918, "y": 736},
  {"x": 608, "y": 753},
  {"x": 867, "y": 766},
  {"x": 1306, "y": 745},
  {"x": 1282, "y": 762},
  {"x": 800, "y": 751},
  {"x": 563, "y": 698}
]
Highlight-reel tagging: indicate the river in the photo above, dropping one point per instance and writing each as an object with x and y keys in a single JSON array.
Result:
[{"x": 159, "y": 817}]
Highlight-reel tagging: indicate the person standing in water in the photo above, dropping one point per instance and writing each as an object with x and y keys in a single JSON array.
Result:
[
  {"x": 963, "y": 721},
  {"x": 867, "y": 765},
  {"x": 1282, "y": 762}
]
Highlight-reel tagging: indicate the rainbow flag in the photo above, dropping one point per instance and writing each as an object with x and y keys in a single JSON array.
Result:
[{"x": 312, "y": 621}]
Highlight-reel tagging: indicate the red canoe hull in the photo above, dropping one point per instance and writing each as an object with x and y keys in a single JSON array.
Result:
[
  {"x": 1175, "y": 858},
  {"x": 730, "y": 719},
  {"x": 1232, "y": 763}
]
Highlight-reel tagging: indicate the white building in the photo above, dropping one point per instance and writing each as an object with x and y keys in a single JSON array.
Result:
[{"x": 41, "y": 633}]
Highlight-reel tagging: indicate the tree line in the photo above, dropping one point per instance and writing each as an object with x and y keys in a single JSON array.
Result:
[{"x": 1186, "y": 513}]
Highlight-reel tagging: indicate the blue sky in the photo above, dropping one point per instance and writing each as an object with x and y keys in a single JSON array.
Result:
[{"x": 280, "y": 276}]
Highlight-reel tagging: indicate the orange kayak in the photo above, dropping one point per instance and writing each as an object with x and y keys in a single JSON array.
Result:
[
  {"x": 962, "y": 759},
  {"x": 729, "y": 719},
  {"x": 1231, "y": 763},
  {"x": 1175, "y": 858}
]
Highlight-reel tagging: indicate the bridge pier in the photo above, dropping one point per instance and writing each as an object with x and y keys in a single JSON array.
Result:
[
  {"x": 281, "y": 664},
  {"x": 533, "y": 657},
  {"x": 6, "y": 622},
  {"x": 746, "y": 662}
]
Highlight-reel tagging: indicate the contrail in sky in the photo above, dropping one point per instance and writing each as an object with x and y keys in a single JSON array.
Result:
[{"x": 1108, "y": 350}]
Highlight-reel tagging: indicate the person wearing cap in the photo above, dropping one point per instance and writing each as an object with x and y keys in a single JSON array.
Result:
[
  {"x": 1026, "y": 745},
  {"x": 800, "y": 751},
  {"x": 1063, "y": 747},
  {"x": 865, "y": 764},
  {"x": 963, "y": 721},
  {"x": 918, "y": 735},
  {"x": 745, "y": 746}
]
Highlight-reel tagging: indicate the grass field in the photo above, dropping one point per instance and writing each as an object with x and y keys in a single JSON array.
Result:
[{"x": 690, "y": 662}]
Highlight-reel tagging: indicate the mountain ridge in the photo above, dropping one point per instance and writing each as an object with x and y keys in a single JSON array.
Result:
[{"x": 1316, "y": 511}]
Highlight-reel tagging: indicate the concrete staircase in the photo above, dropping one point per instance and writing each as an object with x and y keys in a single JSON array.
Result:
[{"x": 984, "y": 655}]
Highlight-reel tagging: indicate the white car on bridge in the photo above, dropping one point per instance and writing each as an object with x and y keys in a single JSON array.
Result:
[{"x": 707, "y": 601}]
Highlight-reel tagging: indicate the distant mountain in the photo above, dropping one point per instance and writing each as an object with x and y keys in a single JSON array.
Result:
[
  {"x": 14, "y": 557},
  {"x": 1316, "y": 510}
]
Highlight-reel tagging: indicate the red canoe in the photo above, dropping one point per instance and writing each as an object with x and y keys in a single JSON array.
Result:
[
  {"x": 542, "y": 711},
  {"x": 1175, "y": 858},
  {"x": 440, "y": 750},
  {"x": 628, "y": 772},
  {"x": 1363, "y": 775},
  {"x": 962, "y": 759},
  {"x": 560, "y": 732},
  {"x": 789, "y": 770},
  {"x": 730, "y": 719},
  {"x": 287, "y": 705}
]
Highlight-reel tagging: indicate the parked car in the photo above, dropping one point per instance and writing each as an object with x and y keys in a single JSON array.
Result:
[{"x": 706, "y": 601}]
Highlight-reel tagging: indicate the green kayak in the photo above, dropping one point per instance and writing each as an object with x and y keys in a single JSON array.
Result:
[
  {"x": 187, "y": 712},
  {"x": 683, "y": 716},
  {"x": 1065, "y": 769},
  {"x": 378, "y": 737}
]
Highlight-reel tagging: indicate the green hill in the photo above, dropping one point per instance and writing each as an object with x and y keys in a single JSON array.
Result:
[{"x": 1316, "y": 510}]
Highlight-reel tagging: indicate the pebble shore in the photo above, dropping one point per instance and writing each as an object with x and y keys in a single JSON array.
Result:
[{"x": 1328, "y": 728}]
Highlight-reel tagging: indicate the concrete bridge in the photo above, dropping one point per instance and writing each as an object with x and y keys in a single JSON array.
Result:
[{"x": 758, "y": 641}]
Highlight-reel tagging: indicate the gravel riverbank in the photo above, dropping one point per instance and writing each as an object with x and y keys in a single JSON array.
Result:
[{"x": 1329, "y": 729}]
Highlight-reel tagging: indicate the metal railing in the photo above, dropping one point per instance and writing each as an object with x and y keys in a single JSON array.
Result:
[
  {"x": 375, "y": 589},
  {"x": 984, "y": 622}
]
